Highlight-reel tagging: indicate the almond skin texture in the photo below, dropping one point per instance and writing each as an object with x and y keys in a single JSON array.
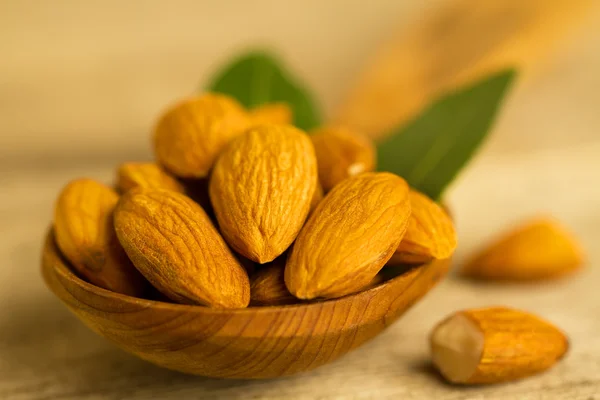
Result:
[
  {"x": 539, "y": 249},
  {"x": 261, "y": 189},
  {"x": 85, "y": 235},
  {"x": 430, "y": 234},
  {"x": 197, "y": 190},
  {"x": 493, "y": 345},
  {"x": 267, "y": 287},
  {"x": 173, "y": 243},
  {"x": 275, "y": 113},
  {"x": 317, "y": 197},
  {"x": 341, "y": 153},
  {"x": 349, "y": 237},
  {"x": 190, "y": 135},
  {"x": 145, "y": 175}
]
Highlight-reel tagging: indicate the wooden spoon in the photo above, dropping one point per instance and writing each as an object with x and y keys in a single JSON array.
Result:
[
  {"x": 451, "y": 45},
  {"x": 261, "y": 342}
]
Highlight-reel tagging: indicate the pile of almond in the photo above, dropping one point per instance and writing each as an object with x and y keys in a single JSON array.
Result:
[{"x": 243, "y": 208}]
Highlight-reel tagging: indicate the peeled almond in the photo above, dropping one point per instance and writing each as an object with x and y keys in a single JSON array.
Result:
[
  {"x": 492, "y": 345},
  {"x": 430, "y": 234},
  {"x": 539, "y": 249}
]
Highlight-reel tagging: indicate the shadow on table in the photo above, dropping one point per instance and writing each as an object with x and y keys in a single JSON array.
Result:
[{"x": 43, "y": 345}]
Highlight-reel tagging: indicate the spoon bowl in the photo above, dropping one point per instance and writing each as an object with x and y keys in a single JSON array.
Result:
[{"x": 250, "y": 343}]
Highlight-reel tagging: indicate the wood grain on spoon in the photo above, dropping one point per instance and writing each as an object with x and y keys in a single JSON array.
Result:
[
  {"x": 451, "y": 45},
  {"x": 256, "y": 342}
]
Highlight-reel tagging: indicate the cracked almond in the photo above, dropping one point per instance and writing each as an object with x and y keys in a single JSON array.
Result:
[{"x": 492, "y": 345}]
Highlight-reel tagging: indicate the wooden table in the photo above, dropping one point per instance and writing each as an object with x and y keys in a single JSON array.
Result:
[{"x": 46, "y": 353}]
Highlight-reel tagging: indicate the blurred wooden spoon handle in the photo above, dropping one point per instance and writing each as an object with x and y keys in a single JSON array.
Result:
[{"x": 450, "y": 45}]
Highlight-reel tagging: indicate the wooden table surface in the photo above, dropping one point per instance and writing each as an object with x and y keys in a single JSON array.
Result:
[{"x": 46, "y": 353}]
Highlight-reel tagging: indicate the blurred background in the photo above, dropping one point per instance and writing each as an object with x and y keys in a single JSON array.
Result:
[
  {"x": 82, "y": 83},
  {"x": 91, "y": 77}
]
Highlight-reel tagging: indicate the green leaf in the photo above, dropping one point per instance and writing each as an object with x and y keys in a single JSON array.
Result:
[
  {"x": 432, "y": 149},
  {"x": 258, "y": 78}
]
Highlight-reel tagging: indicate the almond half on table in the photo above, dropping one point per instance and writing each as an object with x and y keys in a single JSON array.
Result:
[{"x": 492, "y": 345}]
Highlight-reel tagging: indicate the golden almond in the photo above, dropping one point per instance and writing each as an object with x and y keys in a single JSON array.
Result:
[
  {"x": 267, "y": 287},
  {"x": 539, "y": 249},
  {"x": 173, "y": 243},
  {"x": 190, "y": 135},
  {"x": 85, "y": 235},
  {"x": 349, "y": 237},
  {"x": 261, "y": 189},
  {"x": 430, "y": 234},
  {"x": 197, "y": 190},
  {"x": 376, "y": 281},
  {"x": 317, "y": 197},
  {"x": 341, "y": 153},
  {"x": 275, "y": 113},
  {"x": 145, "y": 175},
  {"x": 492, "y": 345}
]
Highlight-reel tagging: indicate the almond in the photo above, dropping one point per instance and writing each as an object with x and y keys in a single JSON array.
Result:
[
  {"x": 275, "y": 113},
  {"x": 267, "y": 286},
  {"x": 85, "y": 235},
  {"x": 493, "y": 345},
  {"x": 261, "y": 190},
  {"x": 341, "y": 153},
  {"x": 349, "y": 237},
  {"x": 539, "y": 249},
  {"x": 190, "y": 135},
  {"x": 197, "y": 190},
  {"x": 146, "y": 175},
  {"x": 377, "y": 280},
  {"x": 430, "y": 234},
  {"x": 173, "y": 243},
  {"x": 317, "y": 197}
]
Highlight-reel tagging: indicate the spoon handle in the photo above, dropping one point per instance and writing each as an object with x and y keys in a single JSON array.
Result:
[{"x": 449, "y": 45}]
